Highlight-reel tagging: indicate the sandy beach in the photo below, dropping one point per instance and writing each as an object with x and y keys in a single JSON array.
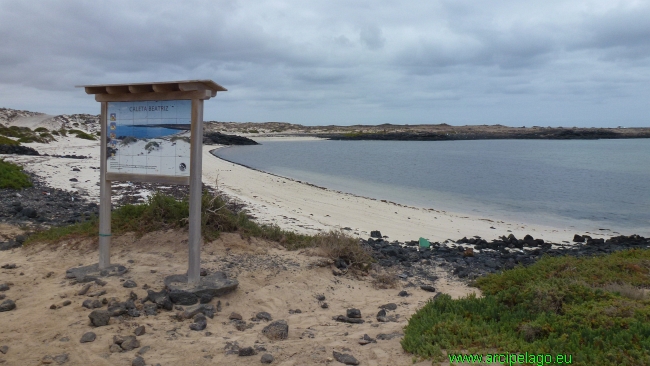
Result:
[{"x": 294, "y": 205}]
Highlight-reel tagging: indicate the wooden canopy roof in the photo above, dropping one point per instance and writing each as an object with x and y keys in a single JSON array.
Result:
[{"x": 204, "y": 89}]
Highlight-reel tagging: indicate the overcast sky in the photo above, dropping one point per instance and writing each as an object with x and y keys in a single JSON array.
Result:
[{"x": 513, "y": 62}]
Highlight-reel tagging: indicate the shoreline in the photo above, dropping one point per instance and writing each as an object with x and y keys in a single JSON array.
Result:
[
  {"x": 308, "y": 208},
  {"x": 294, "y": 204}
]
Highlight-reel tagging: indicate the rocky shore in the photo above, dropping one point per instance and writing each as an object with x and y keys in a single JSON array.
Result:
[{"x": 468, "y": 259}]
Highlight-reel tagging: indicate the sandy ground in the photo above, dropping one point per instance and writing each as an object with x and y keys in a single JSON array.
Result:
[{"x": 270, "y": 279}]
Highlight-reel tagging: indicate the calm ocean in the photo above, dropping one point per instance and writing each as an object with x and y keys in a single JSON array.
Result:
[
  {"x": 145, "y": 132},
  {"x": 587, "y": 184}
]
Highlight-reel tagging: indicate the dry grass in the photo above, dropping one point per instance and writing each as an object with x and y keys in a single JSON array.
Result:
[
  {"x": 338, "y": 245},
  {"x": 626, "y": 290}
]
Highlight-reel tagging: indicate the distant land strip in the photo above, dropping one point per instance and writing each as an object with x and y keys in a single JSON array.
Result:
[
  {"x": 172, "y": 126},
  {"x": 546, "y": 134}
]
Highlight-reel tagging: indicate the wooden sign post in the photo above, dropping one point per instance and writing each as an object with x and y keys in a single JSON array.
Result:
[{"x": 144, "y": 139}]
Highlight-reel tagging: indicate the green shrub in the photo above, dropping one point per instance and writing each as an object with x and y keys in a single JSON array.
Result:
[
  {"x": 12, "y": 176},
  {"x": 590, "y": 308},
  {"x": 165, "y": 212},
  {"x": 82, "y": 135},
  {"x": 8, "y": 141},
  {"x": 15, "y": 131},
  {"x": 41, "y": 129}
]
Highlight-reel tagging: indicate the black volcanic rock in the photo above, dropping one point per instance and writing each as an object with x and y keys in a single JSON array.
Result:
[
  {"x": 17, "y": 150},
  {"x": 211, "y": 138}
]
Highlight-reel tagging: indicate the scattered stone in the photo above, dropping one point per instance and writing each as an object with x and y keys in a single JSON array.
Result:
[
  {"x": 53, "y": 307},
  {"x": 91, "y": 304},
  {"x": 428, "y": 288},
  {"x": 181, "y": 297},
  {"x": 88, "y": 337},
  {"x": 99, "y": 318},
  {"x": 84, "y": 289},
  {"x": 190, "y": 312},
  {"x": 200, "y": 322},
  {"x": 320, "y": 297},
  {"x": 345, "y": 319},
  {"x": 324, "y": 305},
  {"x": 9, "y": 266},
  {"x": 390, "y": 306},
  {"x": 578, "y": 238},
  {"x": 263, "y": 315},
  {"x": 277, "y": 330},
  {"x": 235, "y": 316},
  {"x": 64, "y": 339},
  {"x": 150, "y": 309},
  {"x": 114, "y": 348},
  {"x": 161, "y": 299},
  {"x": 7, "y": 305},
  {"x": 100, "y": 282},
  {"x": 139, "y": 330},
  {"x": 4, "y": 287},
  {"x": 354, "y": 313},
  {"x": 144, "y": 350},
  {"x": 381, "y": 316},
  {"x": 247, "y": 351},
  {"x": 129, "y": 343},
  {"x": 469, "y": 252},
  {"x": 67, "y": 302},
  {"x": 386, "y": 337},
  {"x": 403, "y": 294},
  {"x": 366, "y": 340},
  {"x": 375, "y": 234},
  {"x": 92, "y": 272},
  {"x": 4, "y": 350},
  {"x": 117, "y": 308},
  {"x": 267, "y": 358},
  {"x": 241, "y": 325},
  {"x": 138, "y": 361},
  {"x": 203, "y": 272},
  {"x": 344, "y": 358},
  {"x": 205, "y": 298},
  {"x": 97, "y": 293},
  {"x": 129, "y": 284}
]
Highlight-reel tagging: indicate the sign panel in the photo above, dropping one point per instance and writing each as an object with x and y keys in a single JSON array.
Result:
[{"x": 150, "y": 138}]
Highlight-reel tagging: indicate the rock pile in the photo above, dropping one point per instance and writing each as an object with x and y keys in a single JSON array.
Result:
[{"x": 470, "y": 258}]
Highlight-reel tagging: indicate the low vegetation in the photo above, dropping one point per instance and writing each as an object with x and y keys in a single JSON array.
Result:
[
  {"x": 12, "y": 176},
  {"x": 81, "y": 134},
  {"x": 593, "y": 309},
  {"x": 8, "y": 141},
  {"x": 26, "y": 135},
  {"x": 162, "y": 212}
]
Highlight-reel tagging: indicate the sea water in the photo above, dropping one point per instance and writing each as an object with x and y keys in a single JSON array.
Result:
[{"x": 585, "y": 184}]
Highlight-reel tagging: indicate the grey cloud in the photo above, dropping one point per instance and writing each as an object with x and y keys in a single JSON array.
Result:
[
  {"x": 370, "y": 61},
  {"x": 371, "y": 37}
]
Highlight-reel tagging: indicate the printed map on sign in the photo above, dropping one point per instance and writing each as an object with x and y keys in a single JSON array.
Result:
[{"x": 151, "y": 138}]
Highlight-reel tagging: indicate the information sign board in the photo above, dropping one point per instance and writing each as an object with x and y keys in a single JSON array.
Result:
[{"x": 149, "y": 137}]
